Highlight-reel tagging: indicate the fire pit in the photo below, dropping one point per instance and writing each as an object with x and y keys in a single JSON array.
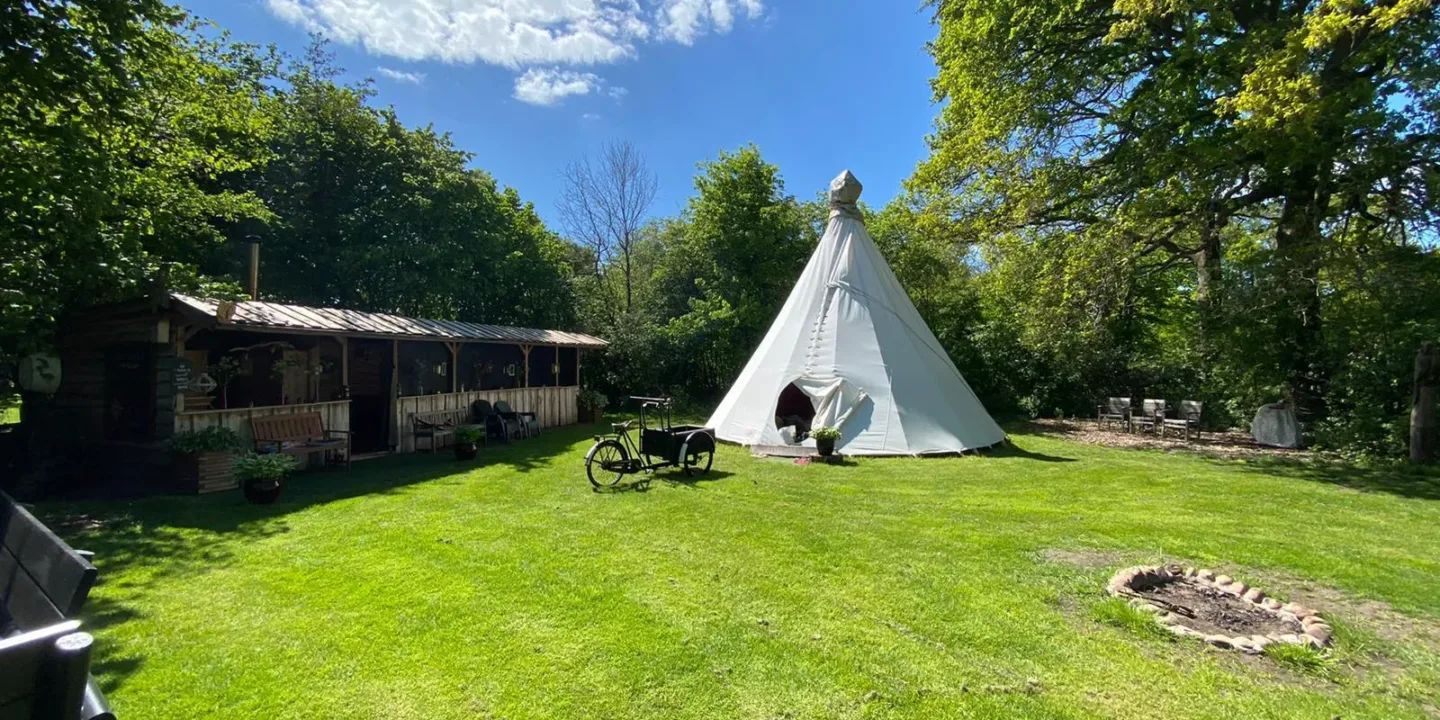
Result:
[{"x": 1218, "y": 609}]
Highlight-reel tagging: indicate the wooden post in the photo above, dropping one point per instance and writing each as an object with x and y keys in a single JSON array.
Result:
[
  {"x": 454, "y": 365},
  {"x": 526, "y": 349},
  {"x": 578, "y": 353},
  {"x": 182, "y": 333},
  {"x": 394, "y": 404},
  {"x": 344, "y": 360},
  {"x": 1422, "y": 411}
]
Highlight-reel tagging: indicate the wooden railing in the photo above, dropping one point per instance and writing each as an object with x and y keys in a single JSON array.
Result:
[
  {"x": 555, "y": 406},
  {"x": 335, "y": 415}
]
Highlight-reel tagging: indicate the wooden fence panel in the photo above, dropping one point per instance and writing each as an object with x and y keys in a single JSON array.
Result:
[{"x": 555, "y": 407}]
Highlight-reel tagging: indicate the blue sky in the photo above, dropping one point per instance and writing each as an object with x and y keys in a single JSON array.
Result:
[{"x": 531, "y": 85}]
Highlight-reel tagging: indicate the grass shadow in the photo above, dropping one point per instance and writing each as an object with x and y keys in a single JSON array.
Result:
[
  {"x": 1011, "y": 450},
  {"x": 1393, "y": 479}
]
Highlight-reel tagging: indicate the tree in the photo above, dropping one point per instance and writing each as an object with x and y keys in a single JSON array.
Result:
[
  {"x": 123, "y": 130},
  {"x": 604, "y": 205},
  {"x": 1161, "y": 124}
]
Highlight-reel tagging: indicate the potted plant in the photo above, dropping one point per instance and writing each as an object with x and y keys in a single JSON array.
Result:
[
  {"x": 825, "y": 438},
  {"x": 203, "y": 459},
  {"x": 592, "y": 405},
  {"x": 262, "y": 475},
  {"x": 466, "y": 436}
]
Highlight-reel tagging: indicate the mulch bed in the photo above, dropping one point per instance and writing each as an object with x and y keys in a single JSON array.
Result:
[{"x": 1231, "y": 444}]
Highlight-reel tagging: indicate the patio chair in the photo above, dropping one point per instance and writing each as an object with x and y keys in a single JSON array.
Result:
[
  {"x": 1189, "y": 419},
  {"x": 495, "y": 424},
  {"x": 1115, "y": 410},
  {"x": 1152, "y": 415},
  {"x": 529, "y": 421}
]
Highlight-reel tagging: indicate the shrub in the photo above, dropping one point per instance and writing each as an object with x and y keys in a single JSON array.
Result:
[
  {"x": 467, "y": 434},
  {"x": 211, "y": 439},
  {"x": 825, "y": 433},
  {"x": 270, "y": 466},
  {"x": 593, "y": 399}
]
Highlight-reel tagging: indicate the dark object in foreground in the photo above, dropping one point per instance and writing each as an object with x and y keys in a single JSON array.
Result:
[
  {"x": 44, "y": 660},
  {"x": 1424, "y": 425},
  {"x": 689, "y": 447}
]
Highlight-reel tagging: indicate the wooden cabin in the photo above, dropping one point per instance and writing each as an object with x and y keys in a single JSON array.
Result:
[{"x": 135, "y": 373}]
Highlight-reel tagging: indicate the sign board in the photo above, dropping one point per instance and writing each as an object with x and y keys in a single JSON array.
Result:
[{"x": 183, "y": 374}]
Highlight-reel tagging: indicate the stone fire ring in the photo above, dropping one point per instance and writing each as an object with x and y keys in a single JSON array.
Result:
[{"x": 1127, "y": 583}]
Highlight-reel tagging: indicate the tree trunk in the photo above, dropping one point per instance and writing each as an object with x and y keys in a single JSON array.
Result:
[
  {"x": 1423, "y": 420},
  {"x": 1298, "y": 244},
  {"x": 1207, "y": 282}
]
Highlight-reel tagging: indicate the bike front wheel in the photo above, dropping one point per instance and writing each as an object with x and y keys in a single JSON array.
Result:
[{"x": 606, "y": 463}]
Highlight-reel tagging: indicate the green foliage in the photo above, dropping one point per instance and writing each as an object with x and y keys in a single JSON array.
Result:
[
  {"x": 211, "y": 439},
  {"x": 825, "y": 433},
  {"x": 468, "y": 434},
  {"x": 594, "y": 399},
  {"x": 1115, "y": 612},
  {"x": 1300, "y": 658},
  {"x": 124, "y": 132},
  {"x": 264, "y": 466},
  {"x": 707, "y": 284},
  {"x": 1190, "y": 200}
]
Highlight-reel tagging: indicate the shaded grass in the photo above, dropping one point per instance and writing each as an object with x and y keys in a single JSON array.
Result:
[{"x": 415, "y": 587}]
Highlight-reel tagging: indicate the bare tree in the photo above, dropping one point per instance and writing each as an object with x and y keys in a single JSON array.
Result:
[{"x": 604, "y": 204}]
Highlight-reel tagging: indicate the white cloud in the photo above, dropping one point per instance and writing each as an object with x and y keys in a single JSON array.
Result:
[
  {"x": 549, "y": 86},
  {"x": 590, "y": 117},
  {"x": 617, "y": 93},
  {"x": 513, "y": 33},
  {"x": 413, "y": 78}
]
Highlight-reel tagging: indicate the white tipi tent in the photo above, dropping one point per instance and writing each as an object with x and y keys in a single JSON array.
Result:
[{"x": 849, "y": 338}]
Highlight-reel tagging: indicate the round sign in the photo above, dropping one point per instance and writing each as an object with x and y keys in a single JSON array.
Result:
[{"x": 204, "y": 383}]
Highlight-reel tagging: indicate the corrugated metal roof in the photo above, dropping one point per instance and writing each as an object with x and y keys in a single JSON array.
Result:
[{"x": 276, "y": 316}]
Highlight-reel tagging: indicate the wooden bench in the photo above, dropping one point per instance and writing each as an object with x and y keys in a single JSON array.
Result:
[
  {"x": 44, "y": 660},
  {"x": 438, "y": 425},
  {"x": 300, "y": 435}
]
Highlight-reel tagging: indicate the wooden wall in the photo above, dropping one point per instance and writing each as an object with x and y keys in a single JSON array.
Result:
[
  {"x": 555, "y": 406},
  {"x": 335, "y": 415}
]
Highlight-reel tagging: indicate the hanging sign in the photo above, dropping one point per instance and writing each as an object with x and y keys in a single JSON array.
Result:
[{"x": 183, "y": 374}]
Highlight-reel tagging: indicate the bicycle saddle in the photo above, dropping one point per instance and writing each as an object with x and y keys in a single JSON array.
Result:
[{"x": 622, "y": 425}]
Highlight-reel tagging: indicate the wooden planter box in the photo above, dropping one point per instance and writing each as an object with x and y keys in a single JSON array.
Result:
[
  {"x": 205, "y": 472},
  {"x": 591, "y": 415}
]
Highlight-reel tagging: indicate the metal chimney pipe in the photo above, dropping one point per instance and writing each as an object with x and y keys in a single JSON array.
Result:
[{"x": 254, "y": 267}]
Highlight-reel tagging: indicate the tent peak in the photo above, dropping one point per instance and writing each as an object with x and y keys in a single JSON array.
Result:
[{"x": 845, "y": 192}]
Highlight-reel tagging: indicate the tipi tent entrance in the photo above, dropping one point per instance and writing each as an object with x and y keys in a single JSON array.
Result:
[{"x": 794, "y": 414}]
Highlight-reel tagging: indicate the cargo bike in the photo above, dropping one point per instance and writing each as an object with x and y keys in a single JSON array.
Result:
[{"x": 688, "y": 447}]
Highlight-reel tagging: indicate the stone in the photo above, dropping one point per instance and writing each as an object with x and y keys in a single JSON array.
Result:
[
  {"x": 1169, "y": 618},
  {"x": 1261, "y": 641},
  {"x": 1299, "y": 611},
  {"x": 1223, "y": 580},
  {"x": 1237, "y": 588},
  {"x": 1275, "y": 425},
  {"x": 1320, "y": 633},
  {"x": 1308, "y": 620},
  {"x": 1270, "y": 604},
  {"x": 1245, "y": 645},
  {"x": 1290, "y": 638},
  {"x": 1219, "y": 641},
  {"x": 1205, "y": 575},
  {"x": 1255, "y": 596},
  {"x": 1189, "y": 572},
  {"x": 1150, "y": 608},
  {"x": 1184, "y": 631}
]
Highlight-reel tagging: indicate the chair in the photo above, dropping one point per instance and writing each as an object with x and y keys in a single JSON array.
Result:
[
  {"x": 1189, "y": 419},
  {"x": 1115, "y": 410},
  {"x": 1152, "y": 415},
  {"x": 529, "y": 421},
  {"x": 495, "y": 424}
]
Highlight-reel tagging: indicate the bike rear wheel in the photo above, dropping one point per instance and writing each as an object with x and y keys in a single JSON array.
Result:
[
  {"x": 606, "y": 463},
  {"x": 699, "y": 454}
]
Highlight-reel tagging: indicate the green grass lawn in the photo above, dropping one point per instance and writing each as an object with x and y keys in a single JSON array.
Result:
[{"x": 416, "y": 587}]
